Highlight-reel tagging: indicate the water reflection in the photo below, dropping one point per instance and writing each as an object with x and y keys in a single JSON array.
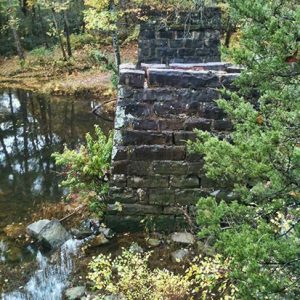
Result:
[{"x": 31, "y": 128}]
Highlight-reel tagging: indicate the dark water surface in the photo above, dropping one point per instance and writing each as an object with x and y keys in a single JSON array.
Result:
[{"x": 31, "y": 128}]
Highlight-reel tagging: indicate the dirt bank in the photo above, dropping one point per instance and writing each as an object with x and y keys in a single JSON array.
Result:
[{"x": 79, "y": 76}]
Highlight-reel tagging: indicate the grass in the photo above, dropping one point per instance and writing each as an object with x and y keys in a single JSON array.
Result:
[{"x": 45, "y": 71}]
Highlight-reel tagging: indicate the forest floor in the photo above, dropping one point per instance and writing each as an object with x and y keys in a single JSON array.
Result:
[{"x": 49, "y": 74}]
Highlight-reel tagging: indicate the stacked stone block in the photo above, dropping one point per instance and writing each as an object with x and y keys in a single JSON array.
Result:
[
  {"x": 153, "y": 174},
  {"x": 183, "y": 38}
]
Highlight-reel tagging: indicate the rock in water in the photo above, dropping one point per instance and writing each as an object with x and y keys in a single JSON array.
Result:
[
  {"x": 75, "y": 292},
  {"x": 35, "y": 228},
  {"x": 183, "y": 237},
  {"x": 53, "y": 235},
  {"x": 179, "y": 255}
]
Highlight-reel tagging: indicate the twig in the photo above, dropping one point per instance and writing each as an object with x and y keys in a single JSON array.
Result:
[
  {"x": 290, "y": 229},
  {"x": 94, "y": 111},
  {"x": 189, "y": 219}
]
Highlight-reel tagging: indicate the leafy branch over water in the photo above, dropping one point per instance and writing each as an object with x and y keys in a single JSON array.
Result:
[{"x": 86, "y": 170}]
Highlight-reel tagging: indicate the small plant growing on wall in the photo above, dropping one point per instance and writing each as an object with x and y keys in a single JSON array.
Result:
[{"x": 86, "y": 170}]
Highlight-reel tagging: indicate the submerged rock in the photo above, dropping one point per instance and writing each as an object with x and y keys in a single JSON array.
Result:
[
  {"x": 180, "y": 255},
  {"x": 35, "y": 228},
  {"x": 75, "y": 293},
  {"x": 182, "y": 237},
  {"x": 53, "y": 235}
]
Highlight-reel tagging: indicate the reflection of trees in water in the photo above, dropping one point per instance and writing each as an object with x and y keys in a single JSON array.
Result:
[{"x": 31, "y": 128}]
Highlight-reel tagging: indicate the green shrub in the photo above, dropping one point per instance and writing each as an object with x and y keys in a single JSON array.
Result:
[
  {"x": 41, "y": 52},
  {"x": 86, "y": 170},
  {"x": 257, "y": 224},
  {"x": 78, "y": 41},
  {"x": 133, "y": 36},
  {"x": 103, "y": 60},
  {"x": 40, "y": 56},
  {"x": 106, "y": 63}
]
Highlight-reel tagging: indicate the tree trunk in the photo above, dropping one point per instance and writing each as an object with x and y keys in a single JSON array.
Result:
[
  {"x": 18, "y": 43},
  {"x": 44, "y": 29},
  {"x": 67, "y": 32},
  {"x": 116, "y": 46},
  {"x": 12, "y": 24},
  {"x": 82, "y": 23},
  {"x": 58, "y": 34},
  {"x": 228, "y": 35},
  {"x": 24, "y": 7},
  {"x": 230, "y": 29},
  {"x": 115, "y": 39}
]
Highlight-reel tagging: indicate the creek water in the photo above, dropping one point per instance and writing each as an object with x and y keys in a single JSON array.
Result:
[
  {"x": 32, "y": 127},
  {"x": 50, "y": 279}
]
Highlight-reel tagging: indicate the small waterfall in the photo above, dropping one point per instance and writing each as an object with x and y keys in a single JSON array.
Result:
[{"x": 51, "y": 278}]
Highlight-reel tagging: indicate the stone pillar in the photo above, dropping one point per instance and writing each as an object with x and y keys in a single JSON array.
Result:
[
  {"x": 158, "y": 108},
  {"x": 159, "y": 105},
  {"x": 183, "y": 38}
]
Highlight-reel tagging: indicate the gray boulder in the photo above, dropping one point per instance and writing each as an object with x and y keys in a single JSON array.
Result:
[
  {"x": 53, "y": 235},
  {"x": 182, "y": 237},
  {"x": 35, "y": 228},
  {"x": 75, "y": 292}
]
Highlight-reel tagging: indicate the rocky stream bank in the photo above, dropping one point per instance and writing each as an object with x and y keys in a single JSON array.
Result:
[{"x": 62, "y": 251}]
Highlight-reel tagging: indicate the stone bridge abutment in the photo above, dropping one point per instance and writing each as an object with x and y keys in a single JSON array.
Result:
[{"x": 159, "y": 106}]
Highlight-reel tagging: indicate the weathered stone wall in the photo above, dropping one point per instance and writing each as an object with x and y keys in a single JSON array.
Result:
[
  {"x": 158, "y": 108},
  {"x": 184, "y": 38}
]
